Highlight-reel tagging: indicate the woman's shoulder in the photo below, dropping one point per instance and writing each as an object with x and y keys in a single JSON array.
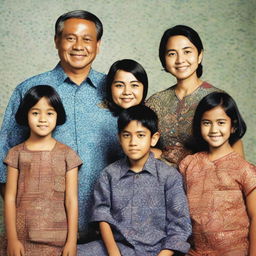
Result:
[
  {"x": 161, "y": 96},
  {"x": 209, "y": 87}
]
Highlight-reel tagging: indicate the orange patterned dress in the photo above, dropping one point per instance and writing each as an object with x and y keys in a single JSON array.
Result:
[
  {"x": 216, "y": 192},
  {"x": 41, "y": 220}
]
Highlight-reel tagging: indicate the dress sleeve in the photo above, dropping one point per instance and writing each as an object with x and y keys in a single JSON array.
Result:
[
  {"x": 12, "y": 158},
  {"x": 249, "y": 178},
  {"x": 102, "y": 200},
  {"x": 184, "y": 164},
  {"x": 11, "y": 133},
  {"x": 178, "y": 220},
  {"x": 72, "y": 159}
]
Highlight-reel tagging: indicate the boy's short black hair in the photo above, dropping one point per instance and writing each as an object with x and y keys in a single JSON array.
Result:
[
  {"x": 141, "y": 113},
  {"x": 32, "y": 96}
]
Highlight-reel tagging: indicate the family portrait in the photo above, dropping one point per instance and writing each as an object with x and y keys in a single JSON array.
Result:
[{"x": 127, "y": 128}]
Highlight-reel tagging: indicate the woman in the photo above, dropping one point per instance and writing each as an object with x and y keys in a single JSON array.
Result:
[
  {"x": 181, "y": 54},
  {"x": 127, "y": 85}
]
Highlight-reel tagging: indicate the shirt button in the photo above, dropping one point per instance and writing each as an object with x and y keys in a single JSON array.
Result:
[{"x": 137, "y": 176}]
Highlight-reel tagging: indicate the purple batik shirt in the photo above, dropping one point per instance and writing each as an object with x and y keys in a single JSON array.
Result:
[{"x": 147, "y": 210}]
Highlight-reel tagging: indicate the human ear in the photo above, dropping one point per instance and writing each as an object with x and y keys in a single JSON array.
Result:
[
  {"x": 154, "y": 139},
  {"x": 98, "y": 46},
  {"x": 56, "y": 41},
  {"x": 200, "y": 56}
]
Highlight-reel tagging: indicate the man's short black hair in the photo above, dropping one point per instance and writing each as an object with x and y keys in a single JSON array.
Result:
[
  {"x": 140, "y": 113},
  {"x": 78, "y": 14}
]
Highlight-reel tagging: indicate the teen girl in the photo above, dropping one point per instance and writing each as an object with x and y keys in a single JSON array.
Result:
[
  {"x": 41, "y": 206},
  {"x": 181, "y": 54},
  {"x": 221, "y": 185},
  {"x": 127, "y": 85}
]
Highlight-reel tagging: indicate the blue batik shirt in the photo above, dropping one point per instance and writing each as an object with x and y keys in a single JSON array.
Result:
[
  {"x": 146, "y": 210},
  {"x": 90, "y": 129}
]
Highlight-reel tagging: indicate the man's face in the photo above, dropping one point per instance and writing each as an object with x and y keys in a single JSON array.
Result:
[{"x": 77, "y": 45}]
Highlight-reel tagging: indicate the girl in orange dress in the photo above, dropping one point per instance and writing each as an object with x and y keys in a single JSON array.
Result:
[
  {"x": 220, "y": 184},
  {"x": 41, "y": 206}
]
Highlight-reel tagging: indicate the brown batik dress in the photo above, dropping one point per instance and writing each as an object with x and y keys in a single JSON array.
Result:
[{"x": 41, "y": 220}]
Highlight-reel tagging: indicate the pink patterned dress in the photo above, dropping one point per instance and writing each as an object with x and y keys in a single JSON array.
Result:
[
  {"x": 216, "y": 192},
  {"x": 41, "y": 219}
]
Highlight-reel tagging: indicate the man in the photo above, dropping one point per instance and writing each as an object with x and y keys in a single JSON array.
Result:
[{"x": 90, "y": 128}]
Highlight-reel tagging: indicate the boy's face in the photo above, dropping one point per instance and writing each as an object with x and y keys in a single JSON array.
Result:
[{"x": 136, "y": 141}]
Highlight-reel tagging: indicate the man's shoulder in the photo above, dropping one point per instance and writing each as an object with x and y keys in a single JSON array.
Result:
[{"x": 45, "y": 78}]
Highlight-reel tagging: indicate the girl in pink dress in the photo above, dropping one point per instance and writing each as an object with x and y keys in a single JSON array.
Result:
[
  {"x": 220, "y": 184},
  {"x": 41, "y": 206}
]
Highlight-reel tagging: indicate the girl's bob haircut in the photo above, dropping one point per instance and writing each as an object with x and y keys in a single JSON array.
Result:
[
  {"x": 32, "y": 96},
  {"x": 130, "y": 66},
  {"x": 181, "y": 30},
  {"x": 218, "y": 99}
]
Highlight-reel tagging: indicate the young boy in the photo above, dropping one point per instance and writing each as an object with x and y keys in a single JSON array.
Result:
[{"x": 139, "y": 201}]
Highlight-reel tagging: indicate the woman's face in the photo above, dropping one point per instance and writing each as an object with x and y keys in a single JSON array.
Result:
[
  {"x": 126, "y": 90},
  {"x": 182, "y": 57}
]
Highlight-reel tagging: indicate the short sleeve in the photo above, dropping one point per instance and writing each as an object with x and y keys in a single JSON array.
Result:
[
  {"x": 184, "y": 164},
  {"x": 249, "y": 178},
  {"x": 12, "y": 158},
  {"x": 72, "y": 159},
  {"x": 102, "y": 200}
]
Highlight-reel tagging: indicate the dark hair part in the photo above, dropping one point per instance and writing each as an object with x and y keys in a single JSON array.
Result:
[
  {"x": 130, "y": 66},
  {"x": 181, "y": 30},
  {"x": 30, "y": 99},
  {"x": 140, "y": 113},
  {"x": 78, "y": 14},
  {"x": 218, "y": 99}
]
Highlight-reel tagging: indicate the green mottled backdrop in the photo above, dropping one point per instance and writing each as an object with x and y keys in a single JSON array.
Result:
[{"x": 132, "y": 29}]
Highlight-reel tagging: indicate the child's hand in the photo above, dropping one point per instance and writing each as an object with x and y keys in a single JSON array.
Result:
[
  {"x": 165, "y": 253},
  {"x": 15, "y": 248},
  {"x": 69, "y": 249},
  {"x": 157, "y": 152}
]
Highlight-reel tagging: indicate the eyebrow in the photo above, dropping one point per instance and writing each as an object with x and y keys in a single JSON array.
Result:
[
  {"x": 220, "y": 119},
  {"x": 184, "y": 48},
  {"x": 136, "y": 131},
  {"x": 117, "y": 81},
  {"x": 46, "y": 109}
]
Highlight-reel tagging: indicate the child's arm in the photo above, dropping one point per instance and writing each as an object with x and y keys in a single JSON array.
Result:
[
  {"x": 109, "y": 240},
  {"x": 239, "y": 148},
  {"x": 14, "y": 246},
  {"x": 166, "y": 253},
  {"x": 71, "y": 203},
  {"x": 251, "y": 208}
]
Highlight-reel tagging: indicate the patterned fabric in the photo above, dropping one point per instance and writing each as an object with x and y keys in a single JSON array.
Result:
[
  {"x": 40, "y": 208},
  {"x": 216, "y": 192},
  {"x": 90, "y": 129},
  {"x": 147, "y": 210},
  {"x": 175, "y": 119}
]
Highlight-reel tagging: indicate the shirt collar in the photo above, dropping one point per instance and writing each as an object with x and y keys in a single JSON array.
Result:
[
  {"x": 148, "y": 167},
  {"x": 92, "y": 77}
]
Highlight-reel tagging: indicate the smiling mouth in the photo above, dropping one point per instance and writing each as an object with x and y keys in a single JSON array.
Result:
[
  {"x": 127, "y": 99},
  {"x": 78, "y": 55},
  {"x": 182, "y": 68}
]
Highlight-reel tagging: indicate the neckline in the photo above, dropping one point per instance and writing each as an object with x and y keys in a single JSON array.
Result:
[
  {"x": 188, "y": 94},
  {"x": 29, "y": 150},
  {"x": 220, "y": 158}
]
